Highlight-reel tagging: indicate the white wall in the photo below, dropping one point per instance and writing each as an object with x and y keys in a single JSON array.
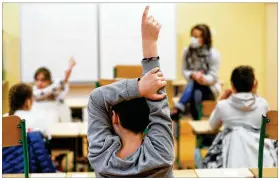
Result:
[{"x": 53, "y": 32}]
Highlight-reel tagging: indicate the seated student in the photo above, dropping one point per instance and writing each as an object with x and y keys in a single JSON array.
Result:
[
  {"x": 46, "y": 90},
  {"x": 120, "y": 112},
  {"x": 20, "y": 102},
  {"x": 240, "y": 110}
]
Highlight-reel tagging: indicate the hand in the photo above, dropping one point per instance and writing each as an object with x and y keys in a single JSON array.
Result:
[
  {"x": 72, "y": 62},
  {"x": 196, "y": 75},
  {"x": 150, "y": 83},
  {"x": 68, "y": 72},
  {"x": 226, "y": 94},
  {"x": 150, "y": 29}
]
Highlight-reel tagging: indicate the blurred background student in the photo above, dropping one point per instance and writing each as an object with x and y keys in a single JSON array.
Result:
[{"x": 50, "y": 95}]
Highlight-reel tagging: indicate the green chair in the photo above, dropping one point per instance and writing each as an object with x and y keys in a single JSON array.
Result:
[
  {"x": 269, "y": 129},
  {"x": 14, "y": 134}
]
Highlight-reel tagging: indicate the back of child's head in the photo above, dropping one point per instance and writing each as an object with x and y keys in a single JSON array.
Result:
[
  {"x": 243, "y": 78},
  {"x": 46, "y": 73},
  {"x": 18, "y": 95},
  {"x": 133, "y": 114}
]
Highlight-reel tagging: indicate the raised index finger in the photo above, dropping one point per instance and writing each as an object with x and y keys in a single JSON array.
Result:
[{"x": 145, "y": 13}]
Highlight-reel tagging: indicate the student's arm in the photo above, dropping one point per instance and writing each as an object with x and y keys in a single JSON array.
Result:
[
  {"x": 63, "y": 93},
  {"x": 40, "y": 94},
  {"x": 211, "y": 77},
  {"x": 160, "y": 126},
  {"x": 186, "y": 72},
  {"x": 215, "y": 118},
  {"x": 100, "y": 129}
]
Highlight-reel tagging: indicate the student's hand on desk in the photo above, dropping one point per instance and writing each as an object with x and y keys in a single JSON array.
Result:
[
  {"x": 150, "y": 29},
  {"x": 150, "y": 83}
]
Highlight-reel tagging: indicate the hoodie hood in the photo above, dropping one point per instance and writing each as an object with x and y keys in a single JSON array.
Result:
[{"x": 243, "y": 101}]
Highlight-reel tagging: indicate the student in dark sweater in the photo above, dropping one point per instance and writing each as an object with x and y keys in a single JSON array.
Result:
[{"x": 119, "y": 113}]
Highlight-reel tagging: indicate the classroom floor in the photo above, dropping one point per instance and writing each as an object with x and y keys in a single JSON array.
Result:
[{"x": 187, "y": 146}]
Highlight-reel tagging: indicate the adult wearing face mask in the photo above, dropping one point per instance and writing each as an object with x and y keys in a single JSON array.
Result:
[{"x": 200, "y": 64}]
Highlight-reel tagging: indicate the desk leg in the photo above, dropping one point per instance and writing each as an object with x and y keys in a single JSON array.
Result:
[
  {"x": 178, "y": 146},
  {"x": 75, "y": 154}
]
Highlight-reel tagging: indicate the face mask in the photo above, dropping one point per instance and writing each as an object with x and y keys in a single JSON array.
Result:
[{"x": 195, "y": 42}]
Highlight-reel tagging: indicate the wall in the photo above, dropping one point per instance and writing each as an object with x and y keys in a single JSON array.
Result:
[
  {"x": 271, "y": 55},
  {"x": 240, "y": 35},
  {"x": 11, "y": 42},
  {"x": 11, "y": 50}
]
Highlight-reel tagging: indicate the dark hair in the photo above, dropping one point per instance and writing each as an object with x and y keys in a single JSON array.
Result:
[
  {"x": 18, "y": 94},
  {"x": 243, "y": 78},
  {"x": 133, "y": 114},
  {"x": 206, "y": 34},
  {"x": 45, "y": 72}
]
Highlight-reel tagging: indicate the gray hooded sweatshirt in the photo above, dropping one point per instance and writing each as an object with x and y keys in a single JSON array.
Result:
[
  {"x": 154, "y": 158},
  {"x": 243, "y": 112}
]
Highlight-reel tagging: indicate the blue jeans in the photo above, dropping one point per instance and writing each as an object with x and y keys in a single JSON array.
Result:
[{"x": 186, "y": 95}]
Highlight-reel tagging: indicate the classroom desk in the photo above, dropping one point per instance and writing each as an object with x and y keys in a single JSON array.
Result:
[
  {"x": 36, "y": 175},
  {"x": 70, "y": 130},
  {"x": 81, "y": 175},
  {"x": 267, "y": 172},
  {"x": 203, "y": 127},
  {"x": 226, "y": 172},
  {"x": 185, "y": 173},
  {"x": 77, "y": 101}
]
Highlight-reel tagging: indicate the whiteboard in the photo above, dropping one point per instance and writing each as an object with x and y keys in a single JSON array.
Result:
[
  {"x": 53, "y": 32},
  {"x": 120, "y": 36}
]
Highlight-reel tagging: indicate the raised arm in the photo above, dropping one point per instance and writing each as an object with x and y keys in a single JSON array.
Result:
[
  {"x": 160, "y": 126},
  {"x": 41, "y": 94}
]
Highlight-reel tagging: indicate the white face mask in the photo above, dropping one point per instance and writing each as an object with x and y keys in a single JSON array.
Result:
[{"x": 195, "y": 42}]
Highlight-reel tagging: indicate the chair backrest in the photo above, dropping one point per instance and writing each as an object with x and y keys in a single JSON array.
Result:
[
  {"x": 11, "y": 132},
  {"x": 104, "y": 82},
  {"x": 127, "y": 71},
  {"x": 272, "y": 125},
  {"x": 170, "y": 93},
  {"x": 208, "y": 107}
]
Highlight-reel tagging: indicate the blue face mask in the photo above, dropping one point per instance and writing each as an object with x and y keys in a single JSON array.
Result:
[{"x": 195, "y": 42}]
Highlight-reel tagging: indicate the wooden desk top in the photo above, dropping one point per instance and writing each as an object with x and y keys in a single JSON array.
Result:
[
  {"x": 48, "y": 175},
  {"x": 36, "y": 175},
  {"x": 182, "y": 82},
  {"x": 267, "y": 172},
  {"x": 67, "y": 129},
  {"x": 203, "y": 127},
  {"x": 77, "y": 101},
  {"x": 185, "y": 173},
  {"x": 81, "y": 175},
  {"x": 228, "y": 172}
]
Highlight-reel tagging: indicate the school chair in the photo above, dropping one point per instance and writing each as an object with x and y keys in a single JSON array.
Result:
[
  {"x": 127, "y": 71},
  {"x": 14, "y": 134},
  {"x": 104, "y": 82},
  {"x": 205, "y": 111},
  {"x": 269, "y": 129}
]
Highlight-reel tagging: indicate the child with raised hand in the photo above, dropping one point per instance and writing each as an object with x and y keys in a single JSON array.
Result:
[
  {"x": 120, "y": 112},
  {"x": 45, "y": 89}
]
